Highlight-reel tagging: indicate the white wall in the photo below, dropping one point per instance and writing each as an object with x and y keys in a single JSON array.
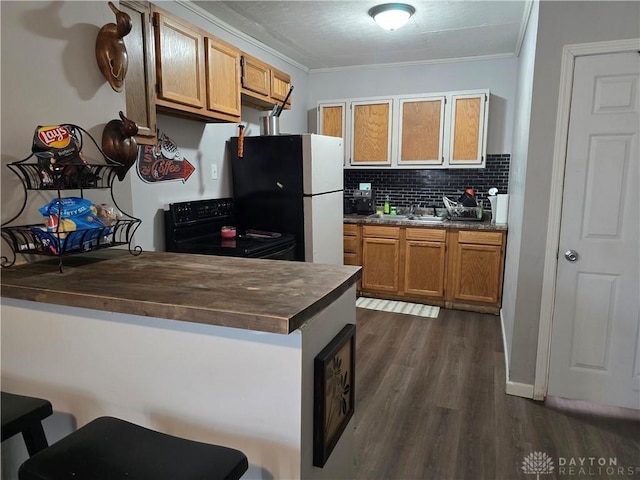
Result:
[
  {"x": 50, "y": 76},
  {"x": 559, "y": 24},
  {"x": 191, "y": 380},
  {"x": 498, "y": 75},
  {"x": 517, "y": 174}
]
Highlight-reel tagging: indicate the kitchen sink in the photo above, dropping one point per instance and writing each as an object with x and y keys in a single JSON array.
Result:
[
  {"x": 426, "y": 219},
  {"x": 388, "y": 216},
  {"x": 409, "y": 218}
]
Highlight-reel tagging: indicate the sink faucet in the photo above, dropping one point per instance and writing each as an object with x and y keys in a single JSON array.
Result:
[{"x": 413, "y": 208}]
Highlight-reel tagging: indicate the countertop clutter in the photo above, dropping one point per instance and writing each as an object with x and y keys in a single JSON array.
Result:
[
  {"x": 252, "y": 294},
  {"x": 405, "y": 222}
]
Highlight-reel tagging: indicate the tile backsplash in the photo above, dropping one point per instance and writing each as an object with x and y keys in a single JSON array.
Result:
[{"x": 426, "y": 187}]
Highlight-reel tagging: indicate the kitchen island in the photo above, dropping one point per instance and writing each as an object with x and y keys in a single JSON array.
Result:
[{"x": 215, "y": 349}]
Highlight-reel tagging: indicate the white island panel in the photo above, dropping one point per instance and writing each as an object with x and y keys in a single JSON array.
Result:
[{"x": 239, "y": 388}]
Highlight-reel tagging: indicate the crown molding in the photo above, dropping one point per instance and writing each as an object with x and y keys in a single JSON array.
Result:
[
  {"x": 414, "y": 63},
  {"x": 189, "y": 5}
]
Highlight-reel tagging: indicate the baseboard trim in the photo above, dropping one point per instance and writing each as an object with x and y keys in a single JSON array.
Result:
[
  {"x": 519, "y": 389},
  {"x": 506, "y": 351},
  {"x": 512, "y": 388}
]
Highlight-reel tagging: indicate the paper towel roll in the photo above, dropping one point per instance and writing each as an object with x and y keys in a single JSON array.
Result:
[
  {"x": 502, "y": 208},
  {"x": 493, "y": 200}
]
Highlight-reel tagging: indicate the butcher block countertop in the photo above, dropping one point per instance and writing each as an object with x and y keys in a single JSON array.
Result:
[
  {"x": 264, "y": 295},
  {"x": 447, "y": 224}
]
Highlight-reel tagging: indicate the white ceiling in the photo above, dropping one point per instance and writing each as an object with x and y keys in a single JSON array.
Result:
[{"x": 333, "y": 34}]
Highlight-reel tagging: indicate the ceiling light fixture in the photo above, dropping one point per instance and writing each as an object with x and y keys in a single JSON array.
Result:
[{"x": 392, "y": 16}]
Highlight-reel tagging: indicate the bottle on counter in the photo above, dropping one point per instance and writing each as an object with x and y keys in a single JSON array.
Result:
[{"x": 387, "y": 207}]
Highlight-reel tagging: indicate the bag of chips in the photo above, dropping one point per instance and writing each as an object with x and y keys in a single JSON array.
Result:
[
  {"x": 60, "y": 160},
  {"x": 74, "y": 222}
]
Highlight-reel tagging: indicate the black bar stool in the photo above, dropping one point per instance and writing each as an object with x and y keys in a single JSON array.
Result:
[
  {"x": 22, "y": 414},
  {"x": 108, "y": 448}
]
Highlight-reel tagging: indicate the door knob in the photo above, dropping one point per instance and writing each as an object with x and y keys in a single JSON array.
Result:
[{"x": 571, "y": 255}]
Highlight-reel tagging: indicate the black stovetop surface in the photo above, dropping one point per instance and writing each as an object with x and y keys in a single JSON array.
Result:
[{"x": 195, "y": 227}]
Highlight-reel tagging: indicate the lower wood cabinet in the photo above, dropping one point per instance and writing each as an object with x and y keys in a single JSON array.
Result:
[
  {"x": 352, "y": 242},
  {"x": 381, "y": 256},
  {"x": 452, "y": 268},
  {"x": 476, "y": 264},
  {"x": 425, "y": 253}
]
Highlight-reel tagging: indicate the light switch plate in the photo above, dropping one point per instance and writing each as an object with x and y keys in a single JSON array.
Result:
[{"x": 214, "y": 171}]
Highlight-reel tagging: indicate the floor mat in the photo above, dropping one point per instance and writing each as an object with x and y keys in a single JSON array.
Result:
[{"x": 398, "y": 307}]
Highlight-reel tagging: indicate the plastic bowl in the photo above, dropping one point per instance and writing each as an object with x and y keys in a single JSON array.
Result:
[{"x": 228, "y": 232}]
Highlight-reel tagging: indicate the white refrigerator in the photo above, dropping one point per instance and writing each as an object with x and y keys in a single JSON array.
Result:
[{"x": 292, "y": 184}]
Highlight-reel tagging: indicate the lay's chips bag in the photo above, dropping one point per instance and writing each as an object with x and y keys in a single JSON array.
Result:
[{"x": 59, "y": 152}]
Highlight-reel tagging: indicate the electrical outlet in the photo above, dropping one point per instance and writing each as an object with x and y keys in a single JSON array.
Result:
[{"x": 214, "y": 171}]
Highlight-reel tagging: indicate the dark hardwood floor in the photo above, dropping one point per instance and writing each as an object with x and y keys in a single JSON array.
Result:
[{"x": 430, "y": 404}]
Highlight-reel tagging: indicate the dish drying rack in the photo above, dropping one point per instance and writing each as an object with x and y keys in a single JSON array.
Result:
[{"x": 457, "y": 211}]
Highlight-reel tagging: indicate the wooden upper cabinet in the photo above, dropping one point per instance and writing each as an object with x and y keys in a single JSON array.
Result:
[
  {"x": 421, "y": 134},
  {"x": 468, "y": 132},
  {"x": 179, "y": 62},
  {"x": 198, "y": 75},
  {"x": 425, "y": 130},
  {"x": 332, "y": 122},
  {"x": 256, "y": 77},
  {"x": 223, "y": 77},
  {"x": 331, "y": 119},
  {"x": 280, "y": 85},
  {"x": 141, "y": 75},
  {"x": 371, "y": 132},
  {"x": 263, "y": 86}
]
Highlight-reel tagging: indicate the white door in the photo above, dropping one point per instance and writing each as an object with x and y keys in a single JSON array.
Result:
[{"x": 595, "y": 353}]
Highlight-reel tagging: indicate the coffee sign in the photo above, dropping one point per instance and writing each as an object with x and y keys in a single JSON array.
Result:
[{"x": 163, "y": 162}]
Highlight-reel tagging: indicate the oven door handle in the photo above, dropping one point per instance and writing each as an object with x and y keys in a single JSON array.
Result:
[{"x": 285, "y": 254}]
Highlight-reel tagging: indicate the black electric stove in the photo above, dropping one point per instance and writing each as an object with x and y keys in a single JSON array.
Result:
[{"x": 195, "y": 227}]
